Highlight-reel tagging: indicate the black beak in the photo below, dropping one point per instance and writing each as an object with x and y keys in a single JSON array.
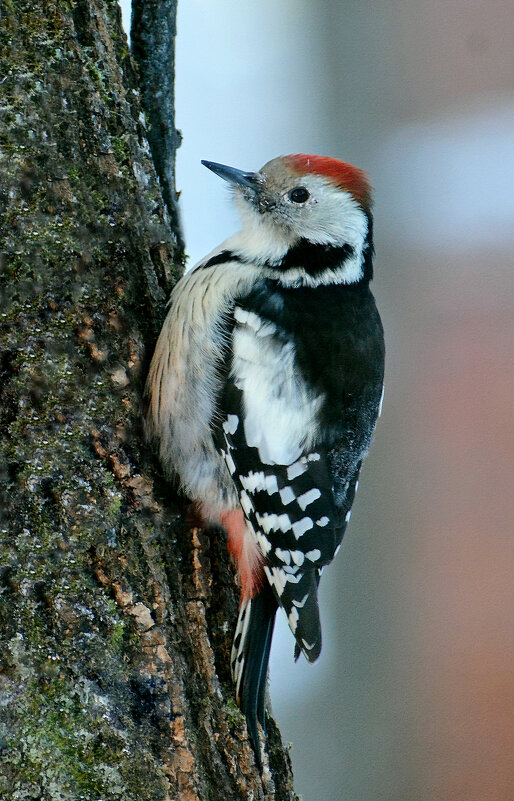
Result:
[{"x": 250, "y": 180}]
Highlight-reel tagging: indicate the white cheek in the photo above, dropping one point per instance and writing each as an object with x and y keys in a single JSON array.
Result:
[
  {"x": 336, "y": 219},
  {"x": 260, "y": 239}
]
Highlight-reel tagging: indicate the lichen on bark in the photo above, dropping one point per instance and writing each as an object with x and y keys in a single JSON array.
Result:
[{"x": 115, "y": 616}]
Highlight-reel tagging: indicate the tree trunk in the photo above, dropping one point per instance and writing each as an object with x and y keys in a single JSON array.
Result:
[{"x": 116, "y": 616}]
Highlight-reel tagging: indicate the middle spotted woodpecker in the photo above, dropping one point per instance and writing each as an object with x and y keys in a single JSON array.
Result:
[{"x": 265, "y": 387}]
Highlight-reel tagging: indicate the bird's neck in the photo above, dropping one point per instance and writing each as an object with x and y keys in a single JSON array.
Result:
[{"x": 295, "y": 261}]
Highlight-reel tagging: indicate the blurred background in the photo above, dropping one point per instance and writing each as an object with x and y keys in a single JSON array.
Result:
[{"x": 413, "y": 696}]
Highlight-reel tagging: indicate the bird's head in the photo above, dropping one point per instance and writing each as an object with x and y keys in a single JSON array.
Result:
[{"x": 300, "y": 201}]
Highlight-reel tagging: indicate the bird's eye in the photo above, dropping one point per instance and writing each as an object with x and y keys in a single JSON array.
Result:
[{"x": 299, "y": 194}]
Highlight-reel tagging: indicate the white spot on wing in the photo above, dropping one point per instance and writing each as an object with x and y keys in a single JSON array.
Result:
[
  {"x": 277, "y": 578},
  {"x": 301, "y": 604},
  {"x": 284, "y": 556},
  {"x": 292, "y": 619},
  {"x": 253, "y": 481},
  {"x": 298, "y": 557},
  {"x": 259, "y": 481},
  {"x": 273, "y": 522},
  {"x": 301, "y": 526},
  {"x": 348, "y": 515},
  {"x": 271, "y": 485},
  {"x": 231, "y": 423},
  {"x": 263, "y": 542},
  {"x": 308, "y": 497},
  {"x": 287, "y": 495},
  {"x": 322, "y": 522},
  {"x": 295, "y": 470},
  {"x": 230, "y": 463},
  {"x": 268, "y": 522},
  {"x": 313, "y": 555},
  {"x": 245, "y": 502}
]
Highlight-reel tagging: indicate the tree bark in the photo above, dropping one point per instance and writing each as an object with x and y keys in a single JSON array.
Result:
[
  {"x": 116, "y": 615},
  {"x": 153, "y": 32}
]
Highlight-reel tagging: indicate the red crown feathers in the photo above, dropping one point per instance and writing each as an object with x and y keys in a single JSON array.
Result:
[{"x": 342, "y": 174}]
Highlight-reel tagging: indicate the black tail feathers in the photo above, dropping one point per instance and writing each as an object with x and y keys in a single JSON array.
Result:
[
  {"x": 250, "y": 657},
  {"x": 299, "y": 600},
  {"x": 252, "y": 642}
]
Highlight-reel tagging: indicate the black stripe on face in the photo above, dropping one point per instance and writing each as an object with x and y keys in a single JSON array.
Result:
[{"x": 313, "y": 257}]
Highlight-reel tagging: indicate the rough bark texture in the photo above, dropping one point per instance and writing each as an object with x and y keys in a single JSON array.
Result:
[
  {"x": 116, "y": 617},
  {"x": 153, "y": 32}
]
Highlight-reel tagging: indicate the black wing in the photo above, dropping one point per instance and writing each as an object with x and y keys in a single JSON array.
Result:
[{"x": 292, "y": 513}]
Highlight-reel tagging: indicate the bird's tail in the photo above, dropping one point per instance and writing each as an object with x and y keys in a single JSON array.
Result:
[
  {"x": 298, "y": 597},
  {"x": 250, "y": 657}
]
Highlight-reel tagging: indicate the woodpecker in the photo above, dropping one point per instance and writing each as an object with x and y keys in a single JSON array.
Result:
[{"x": 264, "y": 390}]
